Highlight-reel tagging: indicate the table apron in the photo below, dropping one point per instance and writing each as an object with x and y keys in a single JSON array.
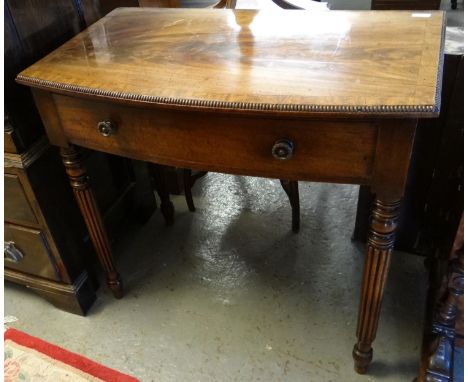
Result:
[{"x": 339, "y": 151}]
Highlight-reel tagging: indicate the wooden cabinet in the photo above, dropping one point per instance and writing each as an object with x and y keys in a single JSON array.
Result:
[
  {"x": 39, "y": 251},
  {"x": 28, "y": 251},
  {"x": 32, "y": 29}
]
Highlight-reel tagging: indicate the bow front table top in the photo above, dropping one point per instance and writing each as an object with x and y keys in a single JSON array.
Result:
[{"x": 321, "y": 96}]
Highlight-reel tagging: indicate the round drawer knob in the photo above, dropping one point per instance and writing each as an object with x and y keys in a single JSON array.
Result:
[
  {"x": 282, "y": 149},
  {"x": 107, "y": 128}
]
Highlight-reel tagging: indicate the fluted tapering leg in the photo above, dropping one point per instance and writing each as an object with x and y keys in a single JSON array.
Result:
[
  {"x": 379, "y": 249},
  {"x": 79, "y": 180},
  {"x": 291, "y": 187}
]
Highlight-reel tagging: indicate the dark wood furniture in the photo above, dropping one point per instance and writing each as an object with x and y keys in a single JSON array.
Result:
[
  {"x": 441, "y": 238},
  {"x": 46, "y": 245},
  {"x": 36, "y": 253},
  {"x": 445, "y": 311},
  {"x": 90, "y": 95}
]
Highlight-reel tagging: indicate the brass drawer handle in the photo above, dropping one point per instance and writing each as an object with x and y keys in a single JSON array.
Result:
[
  {"x": 11, "y": 253},
  {"x": 107, "y": 128},
  {"x": 283, "y": 149}
]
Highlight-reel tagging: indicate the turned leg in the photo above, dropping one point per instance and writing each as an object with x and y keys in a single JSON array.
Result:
[
  {"x": 291, "y": 187},
  {"x": 79, "y": 181},
  {"x": 167, "y": 208},
  {"x": 379, "y": 249}
]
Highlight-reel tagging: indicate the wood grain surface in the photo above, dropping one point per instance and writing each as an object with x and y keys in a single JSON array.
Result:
[{"x": 263, "y": 61}]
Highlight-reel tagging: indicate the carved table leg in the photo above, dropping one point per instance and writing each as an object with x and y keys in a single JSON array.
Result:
[
  {"x": 79, "y": 181},
  {"x": 440, "y": 362},
  {"x": 291, "y": 187},
  {"x": 167, "y": 208},
  {"x": 379, "y": 249}
]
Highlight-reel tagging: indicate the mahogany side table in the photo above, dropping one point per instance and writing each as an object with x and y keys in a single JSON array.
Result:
[{"x": 315, "y": 96}]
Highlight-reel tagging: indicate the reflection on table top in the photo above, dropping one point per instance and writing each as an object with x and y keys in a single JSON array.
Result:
[{"x": 331, "y": 60}]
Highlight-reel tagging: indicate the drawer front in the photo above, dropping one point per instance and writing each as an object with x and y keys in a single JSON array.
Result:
[
  {"x": 26, "y": 250},
  {"x": 323, "y": 150},
  {"x": 17, "y": 207},
  {"x": 9, "y": 145}
]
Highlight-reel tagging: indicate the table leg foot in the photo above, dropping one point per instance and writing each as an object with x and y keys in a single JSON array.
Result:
[
  {"x": 116, "y": 286},
  {"x": 362, "y": 359},
  {"x": 167, "y": 209},
  {"x": 379, "y": 249}
]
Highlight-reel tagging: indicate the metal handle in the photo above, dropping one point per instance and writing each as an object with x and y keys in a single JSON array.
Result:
[
  {"x": 283, "y": 149},
  {"x": 107, "y": 128},
  {"x": 11, "y": 253}
]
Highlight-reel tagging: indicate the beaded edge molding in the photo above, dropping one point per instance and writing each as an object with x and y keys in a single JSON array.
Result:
[{"x": 247, "y": 106}]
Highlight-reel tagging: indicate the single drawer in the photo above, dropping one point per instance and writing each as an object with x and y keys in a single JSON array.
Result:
[
  {"x": 337, "y": 151},
  {"x": 17, "y": 207},
  {"x": 26, "y": 250}
]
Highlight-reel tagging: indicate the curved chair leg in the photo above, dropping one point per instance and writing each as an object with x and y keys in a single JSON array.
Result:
[
  {"x": 167, "y": 208},
  {"x": 291, "y": 187},
  {"x": 189, "y": 181},
  {"x": 188, "y": 189}
]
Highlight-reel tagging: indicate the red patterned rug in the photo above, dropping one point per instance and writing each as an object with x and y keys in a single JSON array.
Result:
[{"x": 28, "y": 358}]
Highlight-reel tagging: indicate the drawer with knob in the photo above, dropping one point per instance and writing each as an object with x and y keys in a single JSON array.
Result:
[
  {"x": 26, "y": 250},
  {"x": 286, "y": 148}
]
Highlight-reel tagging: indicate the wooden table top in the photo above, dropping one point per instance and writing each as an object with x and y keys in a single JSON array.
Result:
[{"x": 300, "y": 62}]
